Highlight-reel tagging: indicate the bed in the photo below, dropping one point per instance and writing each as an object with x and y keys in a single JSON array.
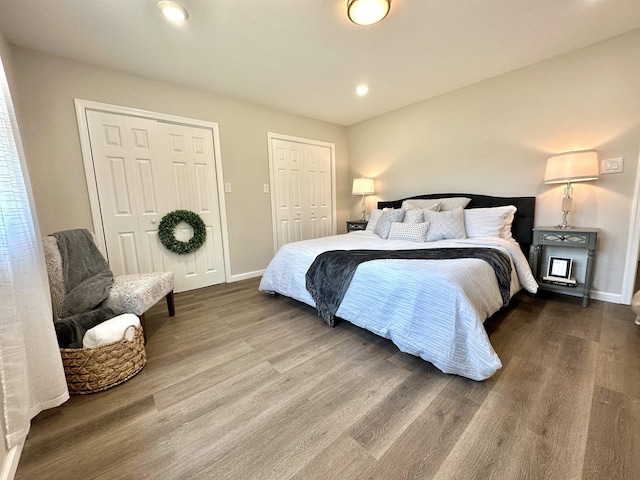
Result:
[{"x": 434, "y": 309}]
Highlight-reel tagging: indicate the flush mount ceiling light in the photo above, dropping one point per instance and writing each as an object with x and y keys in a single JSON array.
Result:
[
  {"x": 173, "y": 11},
  {"x": 367, "y": 12},
  {"x": 362, "y": 90}
]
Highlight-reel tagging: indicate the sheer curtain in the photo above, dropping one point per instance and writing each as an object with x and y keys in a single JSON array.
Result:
[{"x": 31, "y": 373}]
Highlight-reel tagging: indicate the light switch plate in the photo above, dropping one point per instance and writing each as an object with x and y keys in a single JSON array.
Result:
[
  {"x": 611, "y": 165},
  {"x": 227, "y": 187}
]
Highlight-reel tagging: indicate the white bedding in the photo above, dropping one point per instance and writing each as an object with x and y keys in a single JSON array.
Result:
[{"x": 434, "y": 309}]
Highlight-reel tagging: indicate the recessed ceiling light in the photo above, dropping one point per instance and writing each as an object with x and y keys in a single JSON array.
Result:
[
  {"x": 362, "y": 90},
  {"x": 173, "y": 11}
]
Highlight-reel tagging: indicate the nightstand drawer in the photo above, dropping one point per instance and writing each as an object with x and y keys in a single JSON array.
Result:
[{"x": 578, "y": 239}]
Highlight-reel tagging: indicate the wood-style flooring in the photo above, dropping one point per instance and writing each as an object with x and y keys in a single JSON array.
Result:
[{"x": 241, "y": 385}]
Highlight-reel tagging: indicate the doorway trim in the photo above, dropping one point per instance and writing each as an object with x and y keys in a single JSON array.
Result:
[
  {"x": 332, "y": 148},
  {"x": 81, "y": 107},
  {"x": 633, "y": 245}
]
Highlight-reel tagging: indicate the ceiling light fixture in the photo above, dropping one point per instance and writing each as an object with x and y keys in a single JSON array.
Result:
[
  {"x": 367, "y": 12},
  {"x": 173, "y": 11},
  {"x": 362, "y": 90}
]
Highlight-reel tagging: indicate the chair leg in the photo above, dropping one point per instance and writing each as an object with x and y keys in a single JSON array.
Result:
[
  {"x": 171, "y": 304},
  {"x": 143, "y": 324}
]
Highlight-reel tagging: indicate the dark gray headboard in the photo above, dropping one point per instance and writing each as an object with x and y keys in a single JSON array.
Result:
[{"x": 522, "y": 227}]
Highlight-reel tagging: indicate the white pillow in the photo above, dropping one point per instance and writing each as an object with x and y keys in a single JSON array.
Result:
[
  {"x": 111, "y": 331},
  {"x": 414, "y": 232},
  {"x": 413, "y": 215},
  {"x": 445, "y": 225},
  {"x": 489, "y": 222},
  {"x": 383, "y": 225},
  {"x": 446, "y": 204}
]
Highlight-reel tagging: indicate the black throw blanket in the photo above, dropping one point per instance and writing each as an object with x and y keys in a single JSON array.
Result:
[
  {"x": 330, "y": 274},
  {"x": 86, "y": 274}
]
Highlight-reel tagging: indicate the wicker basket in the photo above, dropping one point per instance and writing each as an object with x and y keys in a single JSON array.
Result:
[{"x": 90, "y": 370}]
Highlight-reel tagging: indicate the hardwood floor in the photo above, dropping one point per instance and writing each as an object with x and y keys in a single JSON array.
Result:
[{"x": 240, "y": 385}]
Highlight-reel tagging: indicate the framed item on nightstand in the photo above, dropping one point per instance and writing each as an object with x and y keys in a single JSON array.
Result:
[{"x": 560, "y": 267}]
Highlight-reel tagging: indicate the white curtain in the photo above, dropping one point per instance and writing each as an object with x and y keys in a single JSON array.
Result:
[{"x": 31, "y": 373}]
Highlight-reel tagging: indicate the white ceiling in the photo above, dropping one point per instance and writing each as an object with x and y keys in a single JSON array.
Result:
[{"x": 305, "y": 57}]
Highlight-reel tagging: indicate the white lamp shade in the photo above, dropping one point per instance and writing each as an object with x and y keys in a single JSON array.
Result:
[
  {"x": 367, "y": 12},
  {"x": 578, "y": 166},
  {"x": 362, "y": 186}
]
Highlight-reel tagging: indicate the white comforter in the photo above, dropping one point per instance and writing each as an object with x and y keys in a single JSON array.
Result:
[{"x": 434, "y": 309}]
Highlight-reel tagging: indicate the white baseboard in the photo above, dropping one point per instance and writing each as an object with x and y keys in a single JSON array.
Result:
[
  {"x": 11, "y": 462},
  {"x": 246, "y": 276},
  {"x": 606, "y": 296}
]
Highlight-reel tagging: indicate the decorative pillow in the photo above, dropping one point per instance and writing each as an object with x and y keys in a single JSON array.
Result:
[
  {"x": 383, "y": 225},
  {"x": 413, "y": 215},
  {"x": 373, "y": 219},
  {"x": 446, "y": 204},
  {"x": 489, "y": 222},
  {"x": 445, "y": 225},
  {"x": 413, "y": 232},
  {"x": 430, "y": 204}
]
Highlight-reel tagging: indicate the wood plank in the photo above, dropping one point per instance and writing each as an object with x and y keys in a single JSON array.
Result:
[{"x": 614, "y": 437}]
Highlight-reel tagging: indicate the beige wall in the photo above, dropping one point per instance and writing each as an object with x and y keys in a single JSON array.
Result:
[
  {"x": 45, "y": 87},
  {"x": 493, "y": 137}
]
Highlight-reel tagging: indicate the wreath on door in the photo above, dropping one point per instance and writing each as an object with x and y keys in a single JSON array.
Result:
[{"x": 168, "y": 224}]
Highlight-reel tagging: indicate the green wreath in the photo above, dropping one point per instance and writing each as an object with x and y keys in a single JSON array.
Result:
[{"x": 167, "y": 236}]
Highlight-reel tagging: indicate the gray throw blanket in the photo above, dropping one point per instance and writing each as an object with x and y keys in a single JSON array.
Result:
[
  {"x": 86, "y": 274},
  {"x": 330, "y": 274},
  {"x": 70, "y": 330}
]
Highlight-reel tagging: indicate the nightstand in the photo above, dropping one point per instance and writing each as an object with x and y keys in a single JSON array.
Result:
[
  {"x": 353, "y": 225},
  {"x": 584, "y": 238}
]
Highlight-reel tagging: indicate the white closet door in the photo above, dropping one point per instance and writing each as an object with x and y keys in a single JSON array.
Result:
[
  {"x": 302, "y": 183},
  {"x": 318, "y": 208},
  {"x": 289, "y": 188},
  {"x": 145, "y": 169},
  {"x": 190, "y": 184},
  {"x": 125, "y": 157}
]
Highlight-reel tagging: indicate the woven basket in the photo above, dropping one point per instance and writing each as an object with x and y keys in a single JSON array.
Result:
[{"x": 90, "y": 370}]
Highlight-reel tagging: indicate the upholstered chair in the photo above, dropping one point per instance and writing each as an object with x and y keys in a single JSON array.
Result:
[{"x": 134, "y": 293}]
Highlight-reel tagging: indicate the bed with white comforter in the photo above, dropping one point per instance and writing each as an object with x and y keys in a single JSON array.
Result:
[{"x": 434, "y": 309}]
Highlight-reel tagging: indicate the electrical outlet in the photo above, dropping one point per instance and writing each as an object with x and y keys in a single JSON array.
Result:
[{"x": 611, "y": 165}]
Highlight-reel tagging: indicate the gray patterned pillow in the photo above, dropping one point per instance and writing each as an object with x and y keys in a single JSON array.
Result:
[
  {"x": 373, "y": 219},
  {"x": 413, "y": 215},
  {"x": 419, "y": 204},
  {"x": 383, "y": 225},
  {"x": 445, "y": 225},
  {"x": 414, "y": 232},
  {"x": 449, "y": 203}
]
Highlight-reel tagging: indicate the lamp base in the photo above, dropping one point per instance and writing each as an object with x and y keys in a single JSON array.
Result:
[{"x": 565, "y": 215}]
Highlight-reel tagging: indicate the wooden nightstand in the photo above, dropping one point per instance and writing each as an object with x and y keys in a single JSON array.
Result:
[
  {"x": 353, "y": 225},
  {"x": 585, "y": 238}
]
